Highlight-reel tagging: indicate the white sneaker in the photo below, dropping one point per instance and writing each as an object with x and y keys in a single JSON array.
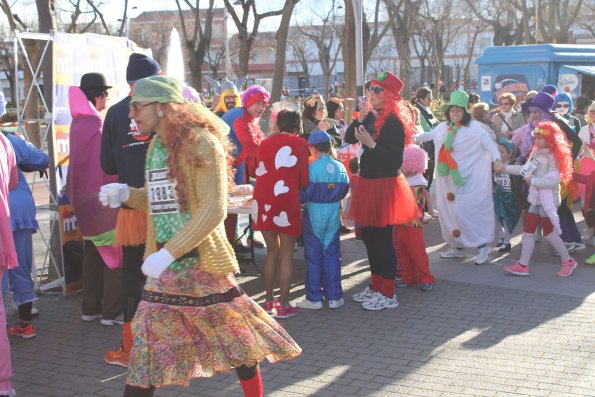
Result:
[
  {"x": 90, "y": 318},
  {"x": 379, "y": 302},
  {"x": 34, "y": 311},
  {"x": 579, "y": 247},
  {"x": 482, "y": 254},
  {"x": 116, "y": 321},
  {"x": 453, "y": 253},
  {"x": 306, "y": 304},
  {"x": 335, "y": 304},
  {"x": 363, "y": 296}
]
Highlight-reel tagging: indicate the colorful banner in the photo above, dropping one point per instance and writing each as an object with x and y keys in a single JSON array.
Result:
[{"x": 74, "y": 55}]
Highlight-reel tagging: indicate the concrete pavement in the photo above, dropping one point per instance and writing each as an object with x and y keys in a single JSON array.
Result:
[{"x": 480, "y": 332}]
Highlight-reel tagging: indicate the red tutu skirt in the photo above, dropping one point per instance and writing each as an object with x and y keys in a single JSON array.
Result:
[{"x": 382, "y": 202}]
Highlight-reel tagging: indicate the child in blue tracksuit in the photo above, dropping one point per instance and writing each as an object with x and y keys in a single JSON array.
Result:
[{"x": 329, "y": 184}]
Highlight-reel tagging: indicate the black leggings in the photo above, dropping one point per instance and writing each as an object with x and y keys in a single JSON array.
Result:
[
  {"x": 132, "y": 279},
  {"x": 381, "y": 252},
  {"x": 243, "y": 372}
]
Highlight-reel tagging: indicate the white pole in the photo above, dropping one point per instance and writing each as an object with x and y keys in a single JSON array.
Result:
[
  {"x": 359, "y": 47},
  {"x": 226, "y": 41}
]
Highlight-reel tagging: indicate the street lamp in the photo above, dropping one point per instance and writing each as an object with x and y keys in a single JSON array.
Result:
[{"x": 226, "y": 38}]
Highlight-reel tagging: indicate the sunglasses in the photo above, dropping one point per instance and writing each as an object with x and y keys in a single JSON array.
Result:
[
  {"x": 138, "y": 106},
  {"x": 505, "y": 103},
  {"x": 104, "y": 94},
  {"x": 562, "y": 105},
  {"x": 376, "y": 89}
]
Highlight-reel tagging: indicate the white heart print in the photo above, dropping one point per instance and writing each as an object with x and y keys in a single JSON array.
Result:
[
  {"x": 261, "y": 170},
  {"x": 281, "y": 220},
  {"x": 284, "y": 158},
  {"x": 280, "y": 188},
  {"x": 264, "y": 217},
  {"x": 254, "y": 210},
  {"x": 267, "y": 207}
]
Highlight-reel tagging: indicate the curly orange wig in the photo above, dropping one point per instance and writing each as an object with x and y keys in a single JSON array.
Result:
[
  {"x": 559, "y": 146},
  {"x": 394, "y": 104},
  {"x": 181, "y": 123}
]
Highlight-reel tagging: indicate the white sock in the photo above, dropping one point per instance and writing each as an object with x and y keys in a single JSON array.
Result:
[
  {"x": 527, "y": 250},
  {"x": 558, "y": 244}
]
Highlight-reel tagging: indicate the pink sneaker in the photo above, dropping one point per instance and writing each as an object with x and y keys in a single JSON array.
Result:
[
  {"x": 567, "y": 268},
  {"x": 270, "y": 306},
  {"x": 517, "y": 269},
  {"x": 286, "y": 311}
]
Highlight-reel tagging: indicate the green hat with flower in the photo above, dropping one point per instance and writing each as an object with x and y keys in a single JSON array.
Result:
[{"x": 457, "y": 98}]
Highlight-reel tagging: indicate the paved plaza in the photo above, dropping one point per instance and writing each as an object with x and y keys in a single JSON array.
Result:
[{"x": 480, "y": 332}]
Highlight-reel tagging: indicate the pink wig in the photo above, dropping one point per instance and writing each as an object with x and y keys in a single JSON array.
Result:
[
  {"x": 415, "y": 160},
  {"x": 252, "y": 90}
]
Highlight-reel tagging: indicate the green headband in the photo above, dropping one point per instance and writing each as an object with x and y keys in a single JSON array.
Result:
[{"x": 163, "y": 89}]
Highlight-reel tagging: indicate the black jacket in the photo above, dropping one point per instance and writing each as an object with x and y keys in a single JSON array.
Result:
[
  {"x": 385, "y": 160},
  {"x": 123, "y": 148}
]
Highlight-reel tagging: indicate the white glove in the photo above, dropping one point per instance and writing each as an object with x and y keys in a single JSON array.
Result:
[
  {"x": 156, "y": 263},
  {"x": 113, "y": 194}
]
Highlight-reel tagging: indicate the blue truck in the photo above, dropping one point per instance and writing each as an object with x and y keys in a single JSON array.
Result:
[{"x": 523, "y": 68}]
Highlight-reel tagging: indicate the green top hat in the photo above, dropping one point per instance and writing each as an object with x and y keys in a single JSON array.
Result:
[{"x": 457, "y": 98}]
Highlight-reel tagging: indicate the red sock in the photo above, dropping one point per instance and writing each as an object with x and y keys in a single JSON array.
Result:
[
  {"x": 388, "y": 287},
  {"x": 376, "y": 282},
  {"x": 253, "y": 387}
]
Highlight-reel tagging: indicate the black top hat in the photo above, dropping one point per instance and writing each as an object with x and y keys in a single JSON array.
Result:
[{"x": 94, "y": 84}]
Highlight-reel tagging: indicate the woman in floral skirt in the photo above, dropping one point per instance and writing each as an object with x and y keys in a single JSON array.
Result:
[{"x": 194, "y": 320}]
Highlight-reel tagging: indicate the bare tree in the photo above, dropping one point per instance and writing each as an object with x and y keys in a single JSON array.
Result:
[
  {"x": 198, "y": 39},
  {"x": 7, "y": 66},
  {"x": 326, "y": 42},
  {"x": 374, "y": 33},
  {"x": 119, "y": 31},
  {"x": 301, "y": 51},
  {"x": 529, "y": 21},
  {"x": 437, "y": 26},
  {"x": 281, "y": 49},
  {"x": 585, "y": 17},
  {"x": 403, "y": 17},
  {"x": 245, "y": 37}
]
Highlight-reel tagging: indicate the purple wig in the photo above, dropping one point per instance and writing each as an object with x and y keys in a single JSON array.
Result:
[{"x": 254, "y": 89}]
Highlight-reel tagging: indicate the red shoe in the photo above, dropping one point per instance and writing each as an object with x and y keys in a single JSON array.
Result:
[
  {"x": 23, "y": 330},
  {"x": 567, "y": 268},
  {"x": 286, "y": 311},
  {"x": 117, "y": 357},
  {"x": 517, "y": 269},
  {"x": 270, "y": 306}
]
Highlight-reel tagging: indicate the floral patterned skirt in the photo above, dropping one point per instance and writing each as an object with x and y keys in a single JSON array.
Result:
[{"x": 173, "y": 344}]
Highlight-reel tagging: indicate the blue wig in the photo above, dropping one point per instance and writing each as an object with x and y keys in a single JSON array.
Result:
[{"x": 564, "y": 97}]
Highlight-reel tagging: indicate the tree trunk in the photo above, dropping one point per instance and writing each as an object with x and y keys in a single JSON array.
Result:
[
  {"x": 280, "y": 50},
  {"x": 244, "y": 56},
  {"x": 348, "y": 46}
]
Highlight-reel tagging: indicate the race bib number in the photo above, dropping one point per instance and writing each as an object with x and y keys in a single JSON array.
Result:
[
  {"x": 529, "y": 167},
  {"x": 162, "y": 193}
]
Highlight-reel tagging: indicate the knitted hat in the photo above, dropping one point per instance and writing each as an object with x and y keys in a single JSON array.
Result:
[
  {"x": 141, "y": 66},
  {"x": 457, "y": 98},
  {"x": 163, "y": 89},
  {"x": 94, "y": 84},
  {"x": 318, "y": 136},
  {"x": 543, "y": 101},
  {"x": 389, "y": 82}
]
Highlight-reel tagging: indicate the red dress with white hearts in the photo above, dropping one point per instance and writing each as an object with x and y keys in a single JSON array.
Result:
[{"x": 282, "y": 170}]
